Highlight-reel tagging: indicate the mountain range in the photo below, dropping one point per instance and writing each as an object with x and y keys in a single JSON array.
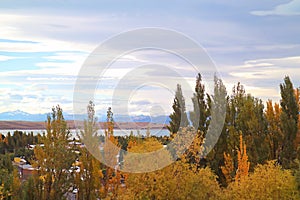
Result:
[{"x": 19, "y": 115}]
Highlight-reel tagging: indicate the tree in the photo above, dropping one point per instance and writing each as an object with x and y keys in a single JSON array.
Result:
[
  {"x": 246, "y": 114},
  {"x": 109, "y": 123},
  {"x": 6, "y": 180},
  {"x": 54, "y": 160},
  {"x": 16, "y": 186},
  {"x": 112, "y": 176},
  {"x": 201, "y": 103},
  {"x": 216, "y": 137},
  {"x": 88, "y": 179},
  {"x": 243, "y": 164},
  {"x": 178, "y": 117},
  {"x": 31, "y": 188},
  {"x": 228, "y": 168},
  {"x": 5, "y": 163},
  {"x": 187, "y": 146},
  {"x": 146, "y": 155},
  {"x": 268, "y": 181},
  {"x": 10, "y": 185},
  {"x": 111, "y": 179},
  {"x": 275, "y": 136},
  {"x": 177, "y": 181},
  {"x": 297, "y": 95},
  {"x": 289, "y": 123}
]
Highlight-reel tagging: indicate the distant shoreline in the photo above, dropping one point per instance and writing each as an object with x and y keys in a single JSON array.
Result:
[{"x": 28, "y": 125}]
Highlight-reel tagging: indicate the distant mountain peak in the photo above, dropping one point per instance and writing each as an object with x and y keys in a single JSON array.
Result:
[
  {"x": 19, "y": 112},
  {"x": 19, "y": 115}
]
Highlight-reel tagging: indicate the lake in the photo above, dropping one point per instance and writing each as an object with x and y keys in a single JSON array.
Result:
[{"x": 117, "y": 132}]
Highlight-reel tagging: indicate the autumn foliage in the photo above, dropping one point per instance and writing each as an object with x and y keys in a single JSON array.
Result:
[
  {"x": 242, "y": 159},
  {"x": 256, "y": 154}
]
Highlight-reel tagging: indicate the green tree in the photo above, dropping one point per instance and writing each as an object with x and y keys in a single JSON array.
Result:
[
  {"x": 289, "y": 123},
  {"x": 5, "y": 163},
  {"x": 29, "y": 189},
  {"x": 201, "y": 103},
  {"x": 10, "y": 142},
  {"x": 217, "y": 133},
  {"x": 178, "y": 117},
  {"x": 246, "y": 114},
  {"x": 275, "y": 136},
  {"x": 54, "y": 159},
  {"x": 6, "y": 180}
]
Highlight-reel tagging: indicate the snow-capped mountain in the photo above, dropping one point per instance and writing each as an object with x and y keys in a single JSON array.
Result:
[{"x": 19, "y": 115}]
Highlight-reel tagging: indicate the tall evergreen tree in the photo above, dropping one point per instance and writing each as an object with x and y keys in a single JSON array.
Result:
[
  {"x": 289, "y": 122},
  {"x": 274, "y": 138},
  {"x": 297, "y": 95},
  {"x": 217, "y": 130},
  {"x": 246, "y": 114},
  {"x": 201, "y": 103},
  {"x": 179, "y": 116}
]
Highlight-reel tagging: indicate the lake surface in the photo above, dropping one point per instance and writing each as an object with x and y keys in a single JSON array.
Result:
[{"x": 117, "y": 132}]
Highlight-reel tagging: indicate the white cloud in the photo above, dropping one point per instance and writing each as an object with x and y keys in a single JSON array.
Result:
[
  {"x": 262, "y": 77},
  {"x": 287, "y": 9},
  {"x": 54, "y": 77},
  {"x": 46, "y": 45},
  {"x": 6, "y": 58},
  {"x": 46, "y": 32},
  {"x": 271, "y": 68}
]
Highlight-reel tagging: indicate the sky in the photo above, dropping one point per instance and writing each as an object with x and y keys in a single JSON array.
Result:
[{"x": 44, "y": 44}]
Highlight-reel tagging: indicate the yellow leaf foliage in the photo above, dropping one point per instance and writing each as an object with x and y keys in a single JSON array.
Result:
[
  {"x": 176, "y": 181},
  {"x": 242, "y": 159},
  {"x": 228, "y": 169},
  {"x": 145, "y": 156},
  {"x": 268, "y": 181},
  {"x": 187, "y": 145},
  {"x": 111, "y": 179}
]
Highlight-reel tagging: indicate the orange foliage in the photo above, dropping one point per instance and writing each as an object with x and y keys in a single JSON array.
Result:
[{"x": 243, "y": 164}]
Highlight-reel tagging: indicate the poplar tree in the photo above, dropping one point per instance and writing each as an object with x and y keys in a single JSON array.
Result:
[
  {"x": 217, "y": 131},
  {"x": 246, "y": 114},
  {"x": 289, "y": 122},
  {"x": 179, "y": 116},
  {"x": 272, "y": 114},
  {"x": 54, "y": 159},
  {"x": 242, "y": 160},
  {"x": 201, "y": 103},
  {"x": 89, "y": 177}
]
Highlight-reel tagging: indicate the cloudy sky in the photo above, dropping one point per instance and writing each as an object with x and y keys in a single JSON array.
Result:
[{"x": 43, "y": 45}]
